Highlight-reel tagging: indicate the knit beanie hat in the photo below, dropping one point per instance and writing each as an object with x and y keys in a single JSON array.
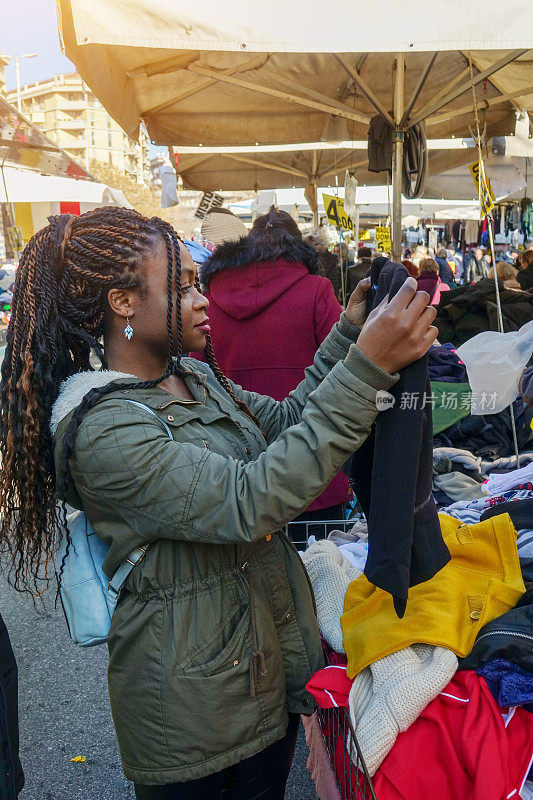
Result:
[
  {"x": 220, "y": 225},
  {"x": 330, "y": 574},
  {"x": 387, "y": 697}
]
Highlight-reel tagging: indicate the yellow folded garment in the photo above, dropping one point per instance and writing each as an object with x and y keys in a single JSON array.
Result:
[{"x": 482, "y": 581}]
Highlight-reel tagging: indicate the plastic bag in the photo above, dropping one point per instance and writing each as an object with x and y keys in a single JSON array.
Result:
[
  {"x": 350, "y": 189},
  {"x": 494, "y": 363}
]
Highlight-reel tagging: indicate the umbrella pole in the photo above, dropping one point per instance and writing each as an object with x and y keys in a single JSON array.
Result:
[
  {"x": 397, "y": 161},
  {"x": 316, "y": 220},
  {"x": 314, "y": 183}
]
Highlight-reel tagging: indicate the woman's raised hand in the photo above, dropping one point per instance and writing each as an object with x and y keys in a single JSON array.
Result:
[
  {"x": 356, "y": 308},
  {"x": 400, "y": 331}
]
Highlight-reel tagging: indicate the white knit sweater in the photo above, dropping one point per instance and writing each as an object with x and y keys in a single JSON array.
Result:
[
  {"x": 330, "y": 574},
  {"x": 391, "y": 693}
]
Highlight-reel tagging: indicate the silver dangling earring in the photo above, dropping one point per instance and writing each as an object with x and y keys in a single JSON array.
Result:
[{"x": 128, "y": 330}]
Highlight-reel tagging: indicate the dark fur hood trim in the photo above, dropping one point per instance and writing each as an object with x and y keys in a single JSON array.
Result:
[{"x": 241, "y": 253}]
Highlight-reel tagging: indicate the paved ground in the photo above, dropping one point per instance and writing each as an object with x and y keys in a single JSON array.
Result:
[{"x": 64, "y": 712}]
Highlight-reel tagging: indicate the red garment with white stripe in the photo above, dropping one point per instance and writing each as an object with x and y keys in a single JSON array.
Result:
[
  {"x": 330, "y": 687},
  {"x": 462, "y": 747}
]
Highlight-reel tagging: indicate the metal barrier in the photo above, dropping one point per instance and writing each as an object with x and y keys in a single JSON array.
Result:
[
  {"x": 299, "y": 532},
  {"x": 345, "y": 755}
]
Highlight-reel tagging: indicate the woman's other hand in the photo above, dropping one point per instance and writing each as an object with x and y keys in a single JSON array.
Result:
[
  {"x": 356, "y": 308},
  {"x": 399, "y": 332}
]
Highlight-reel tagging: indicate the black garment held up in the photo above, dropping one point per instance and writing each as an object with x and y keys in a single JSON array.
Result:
[{"x": 392, "y": 474}]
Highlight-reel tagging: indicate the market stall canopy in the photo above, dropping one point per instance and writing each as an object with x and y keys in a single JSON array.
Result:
[
  {"x": 22, "y": 143},
  {"x": 217, "y": 73},
  {"x": 510, "y": 178},
  {"x": 374, "y": 202},
  {"x": 285, "y": 166},
  {"x": 26, "y": 186}
]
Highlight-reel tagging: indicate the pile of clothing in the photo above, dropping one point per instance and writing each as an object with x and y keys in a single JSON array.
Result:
[
  {"x": 426, "y": 604},
  {"x": 441, "y": 700},
  {"x": 467, "y": 447},
  {"x": 471, "y": 309}
]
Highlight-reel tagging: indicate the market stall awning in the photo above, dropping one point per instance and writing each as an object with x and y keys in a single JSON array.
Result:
[
  {"x": 285, "y": 166},
  {"x": 230, "y": 73},
  {"x": 26, "y": 186},
  {"x": 374, "y": 202},
  {"x": 509, "y": 176},
  {"x": 22, "y": 143}
]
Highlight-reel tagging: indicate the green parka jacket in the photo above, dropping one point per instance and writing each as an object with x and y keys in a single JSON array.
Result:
[{"x": 214, "y": 636}]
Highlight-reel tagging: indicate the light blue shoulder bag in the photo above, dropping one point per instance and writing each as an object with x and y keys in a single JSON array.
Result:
[{"x": 87, "y": 596}]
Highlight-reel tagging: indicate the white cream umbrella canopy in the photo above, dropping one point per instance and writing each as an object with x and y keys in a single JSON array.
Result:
[
  {"x": 231, "y": 73},
  {"x": 279, "y": 73},
  {"x": 286, "y": 166},
  {"x": 27, "y": 186}
]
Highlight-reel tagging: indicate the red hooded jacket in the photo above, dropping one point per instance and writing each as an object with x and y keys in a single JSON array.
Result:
[{"x": 267, "y": 321}]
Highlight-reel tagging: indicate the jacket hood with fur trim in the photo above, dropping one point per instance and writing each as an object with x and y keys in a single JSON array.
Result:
[
  {"x": 73, "y": 390},
  {"x": 238, "y": 255},
  {"x": 244, "y": 287}
]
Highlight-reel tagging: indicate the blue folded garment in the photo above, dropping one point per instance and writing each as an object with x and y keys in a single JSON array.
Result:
[{"x": 510, "y": 684}]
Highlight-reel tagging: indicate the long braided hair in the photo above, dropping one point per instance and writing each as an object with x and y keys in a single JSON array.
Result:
[{"x": 59, "y": 315}]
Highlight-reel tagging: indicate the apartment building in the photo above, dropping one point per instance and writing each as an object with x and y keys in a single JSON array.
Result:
[
  {"x": 68, "y": 112},
  {"x": 4, "y": 61}
]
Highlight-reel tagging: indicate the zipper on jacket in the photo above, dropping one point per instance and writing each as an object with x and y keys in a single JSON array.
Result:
[
  {"x": 206, "y": 444},
  {"x": 504, "y": 633},
  {"x": 180, "y": 401}
]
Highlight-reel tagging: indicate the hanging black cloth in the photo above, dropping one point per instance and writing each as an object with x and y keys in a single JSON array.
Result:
[
  {"x": 392, "y": 473},
  {"x": 379, "y": 145}
]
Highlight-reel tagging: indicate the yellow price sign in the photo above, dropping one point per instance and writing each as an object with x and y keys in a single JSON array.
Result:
[
  {"x": 383, "y": 240},
  {"x": 335, "y": 212},
  {"x": 364, "y": 236},
  {"x": 483, "y": 185}
]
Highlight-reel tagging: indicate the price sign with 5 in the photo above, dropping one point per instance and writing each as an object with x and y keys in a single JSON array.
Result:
[{"x": 383, "y": 240}]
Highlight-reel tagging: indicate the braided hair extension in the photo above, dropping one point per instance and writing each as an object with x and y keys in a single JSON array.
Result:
[
  {"x": 59, "y": 311},
  {"x": 59, "y": 314}
]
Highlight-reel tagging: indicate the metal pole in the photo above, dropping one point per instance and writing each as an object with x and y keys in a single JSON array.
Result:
[
  {"x": 314, "y": 183},
  {"x": 490, "y": 223},
  {"x": 356, "y": 231},
  {"x": 316, "y": 220},
  {"x": 343, "y": 283},
  {"x": 17, "y": 72},
  {"x": 398, "y": 159}
]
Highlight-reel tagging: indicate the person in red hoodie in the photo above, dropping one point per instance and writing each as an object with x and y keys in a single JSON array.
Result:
[{"x": 269, "y": 311}]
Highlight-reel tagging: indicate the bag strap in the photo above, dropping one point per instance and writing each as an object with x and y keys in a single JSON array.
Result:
[{"x": 136, "y": 556}]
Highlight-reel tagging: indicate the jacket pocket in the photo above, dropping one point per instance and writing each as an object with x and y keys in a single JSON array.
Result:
[
  {"x": 232, "y": 655},
  {"x": 208, "y": 713},
  {"x": 203, "y": 621}
]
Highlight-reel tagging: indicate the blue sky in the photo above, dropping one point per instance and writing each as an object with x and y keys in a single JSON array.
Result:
[{"x": 30, "y": 26}]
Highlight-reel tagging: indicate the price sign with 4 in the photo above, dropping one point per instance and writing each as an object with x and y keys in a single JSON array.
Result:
[{"x": 335, "y": 212}]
